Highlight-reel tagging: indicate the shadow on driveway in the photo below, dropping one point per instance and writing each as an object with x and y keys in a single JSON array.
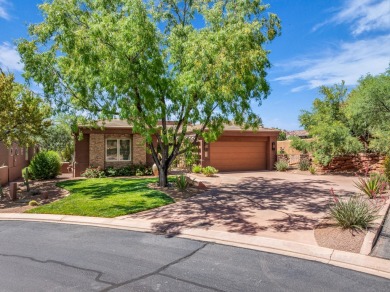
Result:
[{"x": 251, "y": 206}]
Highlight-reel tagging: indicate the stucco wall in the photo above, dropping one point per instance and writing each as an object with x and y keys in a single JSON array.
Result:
[{"x": 3, "y": 175}]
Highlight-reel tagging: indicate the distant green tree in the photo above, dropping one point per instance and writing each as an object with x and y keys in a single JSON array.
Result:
[
  {"x": 328, "y": 124},
  {"x": 282, "y": 135},
  {"x": 23, "y": 115},
  {"x": 58, "y": 137},
  {"x": 150, "y": 62},
  {"x": 368, "y": 111}
]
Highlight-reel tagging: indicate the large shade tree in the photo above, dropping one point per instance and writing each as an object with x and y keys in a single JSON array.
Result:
[
  {"x": 197, "y": 62},
  {"x": 23, "y": 115}
]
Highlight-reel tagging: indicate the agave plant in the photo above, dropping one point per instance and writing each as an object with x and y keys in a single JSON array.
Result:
[{"x": 371, "y": 186}]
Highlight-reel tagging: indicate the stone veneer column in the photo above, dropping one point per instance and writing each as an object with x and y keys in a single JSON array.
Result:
[
  {"x": 139, "y": 149},
  {"x": 96, "y": 150}
]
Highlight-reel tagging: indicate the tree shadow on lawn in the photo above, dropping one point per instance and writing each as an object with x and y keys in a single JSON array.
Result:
[
  {"x": 234, "y": 207},
  {"x": 101, "y": 189}
]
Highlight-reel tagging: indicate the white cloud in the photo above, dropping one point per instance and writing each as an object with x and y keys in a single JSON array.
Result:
[
  {"x": 9, "y": 58},
  {"x": 363, "y": 15},
  {"x": 3, "y": 10},
  {"x": 348, "y": 62}
]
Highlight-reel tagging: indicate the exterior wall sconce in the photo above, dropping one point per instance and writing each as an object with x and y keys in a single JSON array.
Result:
[
  {"x": 273, "y": 146},
  {"x": 206, "y": 150}
]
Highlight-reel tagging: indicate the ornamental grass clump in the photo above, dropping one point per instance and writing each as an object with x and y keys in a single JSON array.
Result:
[
  {"x": 182, "y": 183},
  {"x": 304, "y": 164},
  {"x": 281, "y": 165},
  {"x": 353, "y": 212}
]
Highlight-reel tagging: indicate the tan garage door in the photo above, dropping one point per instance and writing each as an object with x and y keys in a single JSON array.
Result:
[{"x": 238, "y": 155}]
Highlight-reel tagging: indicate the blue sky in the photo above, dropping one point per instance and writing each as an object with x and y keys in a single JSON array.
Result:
[{"x": 322, "y": 43}]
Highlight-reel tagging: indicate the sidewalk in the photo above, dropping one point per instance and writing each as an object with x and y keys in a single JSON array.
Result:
[{"x": 357, "y": 262}]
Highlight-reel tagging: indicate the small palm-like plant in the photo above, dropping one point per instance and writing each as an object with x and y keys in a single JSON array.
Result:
[
  {"x": 372, "y": 186},
  {"x": 182, "y": 183}
]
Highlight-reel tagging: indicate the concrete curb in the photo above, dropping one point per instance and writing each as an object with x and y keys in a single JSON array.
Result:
[
  {"x": 372, "y": 235},
  {"x": 352, "y": 261}
]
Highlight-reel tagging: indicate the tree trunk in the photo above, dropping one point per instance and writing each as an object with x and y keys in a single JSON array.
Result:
[{"x": 163, "y": 175}]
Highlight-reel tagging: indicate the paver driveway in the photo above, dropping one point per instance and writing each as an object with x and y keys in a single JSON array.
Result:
[{"x": 272, "y": 204}]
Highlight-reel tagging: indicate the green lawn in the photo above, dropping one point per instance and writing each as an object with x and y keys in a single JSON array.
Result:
[{"x": 105, "y": 197}]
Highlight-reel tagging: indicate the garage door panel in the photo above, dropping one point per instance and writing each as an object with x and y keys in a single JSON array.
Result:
[{"x": 238, "y": 155}]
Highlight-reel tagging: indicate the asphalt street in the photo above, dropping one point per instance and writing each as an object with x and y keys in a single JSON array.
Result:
[
  {"x": 59, "y": 257},
  {"x": 382, "y": 246}
]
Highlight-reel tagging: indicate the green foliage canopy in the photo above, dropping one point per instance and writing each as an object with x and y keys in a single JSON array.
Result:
[
  {"x": 328, "y": 124},
  {"x": 23, "y": 115},
  {"x": 151, "y": 62},
  {"x": 368, "y": 110}
]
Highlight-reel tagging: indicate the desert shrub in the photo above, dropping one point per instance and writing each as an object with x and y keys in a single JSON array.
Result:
[
  {"x": 93, "y": 172},
  {"x": 353, "y": 213},
  {"x": 304, "y": 164},
  {"x": 26, "y": 177},
  {"x": 129, "y": 170},
  {"x": 181, "y": 182},
  {"x": 300, "y": 144},
  {"x": 281, "y": 165},
  {"x": 196, "y": 169},
  {"x": 33, "y": 203},
  {"x": 372, "y": 186},
  {"x": 312, "y": 169},
  {"x": 387, "y": 167},
  {"x": 45, "y": 165},
  {"x": 209, "y": 171}
]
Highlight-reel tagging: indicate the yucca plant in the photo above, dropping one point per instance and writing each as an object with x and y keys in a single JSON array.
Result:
[
  {"x": 353, "y": 213},
  {"x": 182, "y": 183},
  {"x": 372, "y": 186}
]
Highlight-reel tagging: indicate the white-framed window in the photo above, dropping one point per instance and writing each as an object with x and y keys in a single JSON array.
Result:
[{"x": 118, "y": 149}]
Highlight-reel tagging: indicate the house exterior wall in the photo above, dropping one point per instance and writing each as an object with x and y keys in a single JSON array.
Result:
[
  {"x": 96, "y": 150},
  {"x": 91, "y": 150},
  {"x": 13, "y": 160}
]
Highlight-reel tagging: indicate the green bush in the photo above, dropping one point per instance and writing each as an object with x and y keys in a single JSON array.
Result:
[
  {"x": 209, "y": 171},
  {"x": 129, "y": 170},
  {"x": 93, "y": 172},
  {"x": 304, "y": 164},
  {"x": 26, "y": 177},
  {"x": 45, "y": 165},
  {"x": 353, "y": 213},
  {"x": 181, "y": 182},
  {"x": 312, "y": 169},
  {"x": 281, "y": 165},
  {"x": 33, "y": 203},
  {"x": 196, "y": 169},
  {"x": 387, "y": 167}
]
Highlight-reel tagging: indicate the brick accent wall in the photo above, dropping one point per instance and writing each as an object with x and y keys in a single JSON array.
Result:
[
  {"x": 355, "y": 163},
  {"x": 139, "y": 149},
  {"x": 96, "y": 150}
]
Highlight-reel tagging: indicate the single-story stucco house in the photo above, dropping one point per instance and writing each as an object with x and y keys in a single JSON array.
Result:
[{"x": 117, "y": 145}]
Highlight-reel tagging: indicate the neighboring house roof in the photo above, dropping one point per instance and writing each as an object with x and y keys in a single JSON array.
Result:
[
  {"x": 298, "y": 133},
  {"x": 123, "y": 124}
]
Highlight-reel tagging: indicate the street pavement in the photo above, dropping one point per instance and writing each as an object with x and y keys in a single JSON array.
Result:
[
  {"x": 382, "y": 246},
  {"x": 59, "y": 257}
]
